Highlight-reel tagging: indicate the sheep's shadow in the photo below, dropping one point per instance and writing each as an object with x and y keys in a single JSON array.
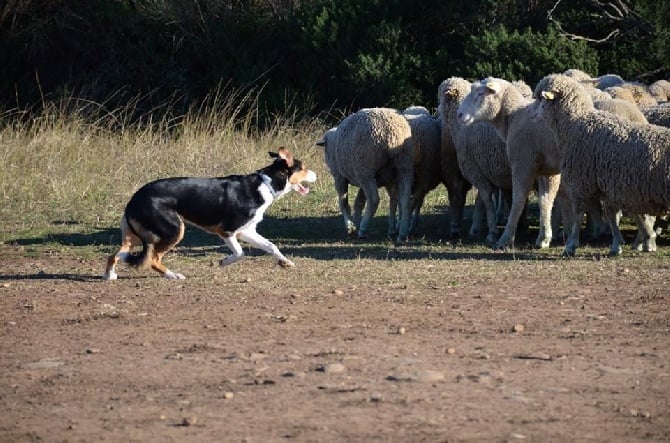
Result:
[{"x": 324, "y": 238}]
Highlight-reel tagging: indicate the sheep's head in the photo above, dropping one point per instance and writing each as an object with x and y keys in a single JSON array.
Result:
[
  {"x": 451, "y": 93},
  {"x": 484, "y": 101},
  {"x": 558, "y": 94}
]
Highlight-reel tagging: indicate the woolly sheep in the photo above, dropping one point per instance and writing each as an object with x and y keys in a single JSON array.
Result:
[
  {"x": 427, "y": 164},
  {"x": 531, "y": 152},
  {"x": 457, "y": 185},
  {"x": 427, "y": 168},
  {"x": 658, "y": 115},
  {"x": 365, "y": 144},
  {"x": 660, "y": 89},
  {"x": 481, "y": 154},
  {"x": 628, "y": 111},
  {"x": 603, "y": 156}
]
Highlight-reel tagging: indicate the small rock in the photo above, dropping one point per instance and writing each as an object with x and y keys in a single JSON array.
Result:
[
  {"x": 375, "y": 397},
  {"x": 451, "y": 350},
  {"x": 228, "y": 395},
  {"x": 338, "y": 292},
  {"x": 334, "y": 368},
  {"x": 429, "y": 376},
  {"x": 401, "y": 331},
  {"x": 93, "y": 351},
  {"x": 518, "y": 328},
  {"x": 189, "y": 421}
]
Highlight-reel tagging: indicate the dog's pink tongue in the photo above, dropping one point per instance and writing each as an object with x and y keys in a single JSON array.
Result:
[{"x": 302, "y": 190}]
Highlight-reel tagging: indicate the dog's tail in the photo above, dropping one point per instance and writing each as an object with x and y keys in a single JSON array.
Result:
[{"x": 143, "y": 259}]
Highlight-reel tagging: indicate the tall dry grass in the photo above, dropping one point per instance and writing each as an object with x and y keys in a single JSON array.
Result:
[{"x": 77, "y": 163}]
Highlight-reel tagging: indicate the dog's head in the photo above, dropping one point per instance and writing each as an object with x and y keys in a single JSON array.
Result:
[{"x": 292, "y": 169}]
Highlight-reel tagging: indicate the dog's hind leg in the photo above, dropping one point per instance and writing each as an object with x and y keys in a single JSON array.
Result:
[
  {"x": 164, "y": 246},
  {"x": 255, "y": 239},
  {"x": 128, "y": 240}
]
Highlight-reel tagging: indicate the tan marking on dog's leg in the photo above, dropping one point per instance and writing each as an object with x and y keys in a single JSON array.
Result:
[
  {"x": 156, "y": 263},
  {"x": 128, "y": 240}
]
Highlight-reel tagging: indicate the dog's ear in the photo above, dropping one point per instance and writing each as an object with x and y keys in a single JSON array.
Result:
[{"x": 286, "y": 155}]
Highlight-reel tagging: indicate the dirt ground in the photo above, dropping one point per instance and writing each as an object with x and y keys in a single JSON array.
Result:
[{"x": 353, "y": 345}]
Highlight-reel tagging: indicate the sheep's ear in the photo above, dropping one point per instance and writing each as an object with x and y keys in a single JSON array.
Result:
[
  {"x": 451, "y": 93},
  {"x": 321, "y": 142},
  {"x": 493, "y": 86},
  {"x": 548, "y": 95}
]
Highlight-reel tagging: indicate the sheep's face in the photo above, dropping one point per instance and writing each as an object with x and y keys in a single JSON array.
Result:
[{"x": 483, "y": 103}]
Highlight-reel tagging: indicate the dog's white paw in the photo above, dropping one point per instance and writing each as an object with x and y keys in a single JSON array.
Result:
[
  {"x": 173, "y": 276},
  {"x": 286, "y": 263},
  {"x": 110, "y": 276}
]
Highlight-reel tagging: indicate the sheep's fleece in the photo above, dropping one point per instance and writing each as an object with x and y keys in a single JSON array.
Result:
[
  {"x": 365, "y": 143},
  {"x": 603, "y": 156}
]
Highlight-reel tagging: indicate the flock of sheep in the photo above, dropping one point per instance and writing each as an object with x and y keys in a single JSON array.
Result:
[{"x": 598, "y": 146}]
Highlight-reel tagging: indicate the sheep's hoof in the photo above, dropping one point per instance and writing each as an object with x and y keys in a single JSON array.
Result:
[
  {"x": 614, "y": 253},
  {"x": 568, "y": 253}
]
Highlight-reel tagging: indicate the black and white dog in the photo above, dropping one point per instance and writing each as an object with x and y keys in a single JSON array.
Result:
[{"x": 228, "y": 206}]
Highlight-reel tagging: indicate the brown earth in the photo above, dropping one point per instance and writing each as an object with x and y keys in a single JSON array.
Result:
[{"x": 351, "y": 345}]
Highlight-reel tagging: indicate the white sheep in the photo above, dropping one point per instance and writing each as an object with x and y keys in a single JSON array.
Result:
[
  {"x": 658, "y": 115},
  {"x": 660, "y": 89},
  {"x": 605, "y": 157},
  {"x": 482, "y": 157},
  {"x": 532, "y": 154},
  {"x": 457, "y": 185},
  {"x": 369, "y": 148},
  {"x": 427, "y": 162}
]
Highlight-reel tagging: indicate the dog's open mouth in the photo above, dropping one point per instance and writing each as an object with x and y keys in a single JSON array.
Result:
[{"x": 300, "y": 189}]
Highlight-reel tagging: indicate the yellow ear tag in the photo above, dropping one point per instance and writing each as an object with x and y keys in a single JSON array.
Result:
[{"x": 548, "y": 95}]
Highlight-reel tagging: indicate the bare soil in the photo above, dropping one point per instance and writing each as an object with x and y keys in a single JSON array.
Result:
[{"x": 354, "y": 344}]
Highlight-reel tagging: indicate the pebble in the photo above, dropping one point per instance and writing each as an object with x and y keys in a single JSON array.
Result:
[
  {"x": 451, "y": 350},
  {"x": 334, "y": 368},
  {"x": 338, "y": 292},
  {"x": 518, "y": 327},
  {"x": 228, "y": 395},
  {"x": 189, "y": 421},
  {"x": 401, "y": 331}
]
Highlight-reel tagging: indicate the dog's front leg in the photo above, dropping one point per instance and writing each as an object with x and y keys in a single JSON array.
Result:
[
  {"x": 236, "y": 249},
  {"x": 255, "y": 239}
]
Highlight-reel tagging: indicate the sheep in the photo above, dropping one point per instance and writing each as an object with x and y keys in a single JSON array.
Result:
[
  {"x": 660, "y": 89},
  {"x": 457, "y": 185},
  {"x": 631, "y": 112},
  {"x": 365, "y": 144},
  {"x": 604, "y": 157},
  {"x": 531, "y": 153},
  {"x": 427, "y": 167},
  {"x": 658, "y": 115},
  {"x": 427, "y": 164},
  {"x": 481, "y": 154}
]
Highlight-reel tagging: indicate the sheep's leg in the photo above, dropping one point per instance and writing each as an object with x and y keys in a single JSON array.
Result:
[
  {"x": 392, "y": 191},
  {"x": 477, "y": 215},
  {"x": 617, "y": 238},
  {"x": 485, "y": 195},
  {"x": 342, "y": 189},
  {"x": 522, "y": 184},
  {"x": 548, "y": 187},
  {"x": 359, "y": 204},
  {"x": 646, "y": 235},
  {"x": 457, "y": 189},
  {"x": 372, "y": 197},
  {"x": 561, "y": 215},
  {"x": 404, "y": 200},
  {"x": 417, "y": 203}
]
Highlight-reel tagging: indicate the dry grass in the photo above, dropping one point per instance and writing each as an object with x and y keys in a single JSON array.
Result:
[{"x": 79, "y": 163}]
